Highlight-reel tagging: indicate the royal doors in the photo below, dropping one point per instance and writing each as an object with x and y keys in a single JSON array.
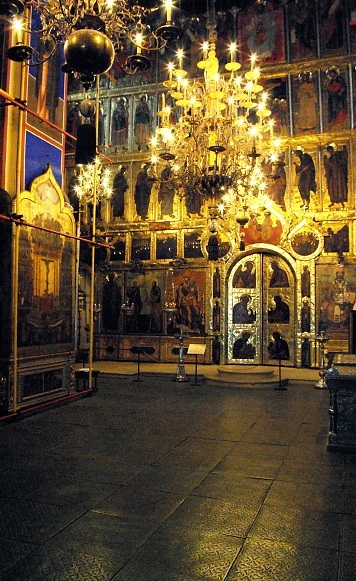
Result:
[{"x": 261, "y": 313}]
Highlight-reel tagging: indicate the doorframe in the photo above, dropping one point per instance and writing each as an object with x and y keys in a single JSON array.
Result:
[{"x": 231, "y": 263}]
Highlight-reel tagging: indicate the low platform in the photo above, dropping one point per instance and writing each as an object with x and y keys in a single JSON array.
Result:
[{"x": 248, "y": 376}]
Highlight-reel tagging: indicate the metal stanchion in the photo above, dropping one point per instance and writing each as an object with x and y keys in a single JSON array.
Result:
[
  {"x": 180, "y": 374},
  {"x": 322, "y": 339},
  {"x": 280, "y": 387}
]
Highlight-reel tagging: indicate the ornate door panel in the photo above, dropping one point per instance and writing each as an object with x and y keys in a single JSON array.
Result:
[{"x": 261, "y": 311}]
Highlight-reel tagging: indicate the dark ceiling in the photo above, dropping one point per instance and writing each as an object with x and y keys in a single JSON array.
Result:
[{"x": 202, "y": 6}]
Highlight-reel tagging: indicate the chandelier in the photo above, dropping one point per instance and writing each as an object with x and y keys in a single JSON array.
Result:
[
  {"x": 92, "y": 31},
  {"x": 93, "y": 177},
  {"x": 223, "y": 139}
]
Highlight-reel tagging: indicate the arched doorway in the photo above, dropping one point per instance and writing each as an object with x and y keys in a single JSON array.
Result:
[{"x": 261, "y": 304}]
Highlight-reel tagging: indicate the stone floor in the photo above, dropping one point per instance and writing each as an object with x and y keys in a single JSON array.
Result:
[{"x": 157, "y": 480}]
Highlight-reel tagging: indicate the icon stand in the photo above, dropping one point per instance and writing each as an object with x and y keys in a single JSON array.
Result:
[{"x": 196, "y": 349}]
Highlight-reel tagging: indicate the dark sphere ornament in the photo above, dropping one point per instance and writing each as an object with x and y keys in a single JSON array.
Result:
[
  {"x": 87, "y": 108},
  {"x": 88, "y": 80},
  {"x": 89, "y": 51}
]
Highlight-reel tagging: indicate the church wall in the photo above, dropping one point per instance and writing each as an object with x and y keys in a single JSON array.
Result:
[
  {"x": 37, "y": 364},
  {"x": 305, "y": 63}
]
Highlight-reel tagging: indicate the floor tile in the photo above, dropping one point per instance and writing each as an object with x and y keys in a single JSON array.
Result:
[
  {"x": 188, "y": 555},
  {"x": 264, "y": 560},
  {"x": 298, "y": 525}
]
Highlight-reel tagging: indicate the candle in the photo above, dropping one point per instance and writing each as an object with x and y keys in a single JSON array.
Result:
[
  {"x": 17, "y": 26},
  {"x": 138, "y": 42},
  {"x": 170, "y": 70},
  {"x": 180, "y": 58},
  {"x": 169, "y": 10},
  {"x": 232, "y": 51},
  {"x": 205, "y": 49}
]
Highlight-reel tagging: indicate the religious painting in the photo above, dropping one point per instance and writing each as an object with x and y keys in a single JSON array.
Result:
[
  {"x": 245, "y": 275},
  {"x": 306, "y": 116},
  {"x": 266, "y": 228},
  {"x": 243, "y": 311},
  {"x": 117, "y": 75},
  {"x": 337, "y": 240},
  {"x": 216, "y": 245},
  {"x": 167, "y": 207},
  {"x": 216, "y": 316},
  {"x": 118, "y": 250},
  {"x": 262, "y": 34},
  {"x": 333, "y": 24},
  {"x": 144, "y": 121},
  {"x": 46, "y": 85},
  {"x": 243, "y": 346},
  {"x": 120, "y": 191},
  {"x": 279, "y": 312},
  {"x": 192, "y": 247},
  {"x": 275, "y": 177},
  {"x": 278, "y": 104},
  {"x": 190, "y": 286},
  {"x": 143, "y": 194},
  {"x": 101, "y": 252},
  {"x": 109, "y": 302},
  {"x": 335, "y": 96},
  {"x": 193, "y": 200},
  {"x": 302, "y": 30},
  {"x": 119, "y": 124},
  {"x": 46, "y": 267},
  {"x": 306, "y": 241},
  {"x": 335, "y": 293},
  {"x": 336, "y": 174},
  {"x": 140, "y": 248},
  {"x": 166, "y": 246},
  {"x": 304, "y": 179},
  {"x": 278, "y": 276},
  {"x": 143, "y": 302},
  {"x": 216, "y": 283}
]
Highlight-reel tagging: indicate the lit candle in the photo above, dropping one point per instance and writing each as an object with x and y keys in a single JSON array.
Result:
[
  {"x": 253, "y": 61},
  {"x": 17, "y": 26},
  {"x": 138, "y": 41},
  {"x": 169, "y": 4},
  {"x": 180, "y": 58},
  {"x": 170, "y": 70},
  {"x": 232, "y": 51},
  {"x": 205, "y": 49}
]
